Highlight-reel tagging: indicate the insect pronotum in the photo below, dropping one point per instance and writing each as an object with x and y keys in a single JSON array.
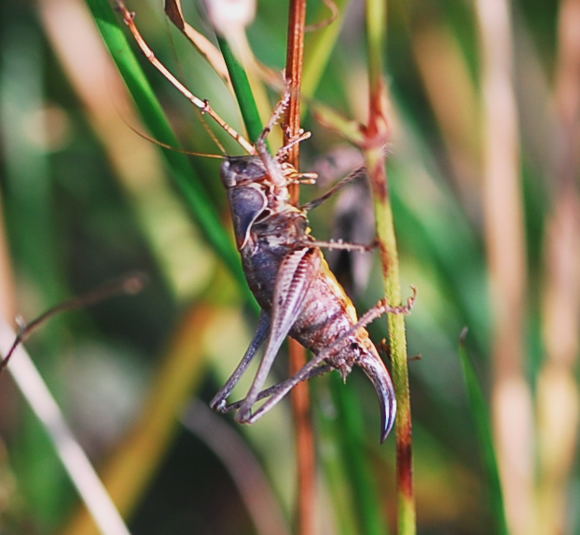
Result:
[{"x": 286, "y": 271}]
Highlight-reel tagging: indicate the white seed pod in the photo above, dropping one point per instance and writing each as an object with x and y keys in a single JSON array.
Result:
[{"x": 230, "y": 16}]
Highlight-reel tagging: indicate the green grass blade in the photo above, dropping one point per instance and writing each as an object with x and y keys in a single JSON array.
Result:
[
  {"x": 364, "y": 491},
  {"x": 154, "y": 117},
  {"x": 481, "y": 417},
  {"x": 243, "y": 91},
  {"x": 318, "y": 47}
]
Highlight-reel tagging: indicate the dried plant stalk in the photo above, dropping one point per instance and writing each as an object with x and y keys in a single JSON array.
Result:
[
  {"x": 300, "y": 396},
  {"x": 558, "y": 397},
  {"x": 505, "y": 242}
]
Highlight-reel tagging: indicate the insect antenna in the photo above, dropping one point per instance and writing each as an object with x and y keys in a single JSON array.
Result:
[
  {"x": 202, "y": 105},
  {"x": 212, "y": 135},
  {"x": 173, "y": 148}
]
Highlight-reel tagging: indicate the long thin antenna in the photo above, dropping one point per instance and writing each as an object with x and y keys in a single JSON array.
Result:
[
  {"x": 176, "y": 149},
  {"x": 203, "y": 105},
  {"x": 212, "y": 134}
]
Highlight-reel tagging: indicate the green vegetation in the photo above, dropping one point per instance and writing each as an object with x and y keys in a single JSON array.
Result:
[{"x": 483, "y": 196}]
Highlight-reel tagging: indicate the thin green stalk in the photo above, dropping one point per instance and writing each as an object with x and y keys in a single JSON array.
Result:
[
  {"x": 377, "y": 133},
  {"x": 318, "y": 47},
  {"x": 482, "y": 420},
  {"x": 398, "y": 344}
]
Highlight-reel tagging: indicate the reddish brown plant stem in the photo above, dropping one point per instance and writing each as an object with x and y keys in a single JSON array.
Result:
[{"x": 300, "y": 396}]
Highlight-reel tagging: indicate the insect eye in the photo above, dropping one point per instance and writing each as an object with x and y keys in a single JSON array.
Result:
[{"x": 242, "y": 169}]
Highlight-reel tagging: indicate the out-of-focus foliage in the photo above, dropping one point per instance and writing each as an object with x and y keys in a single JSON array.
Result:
[{"x": 83, "y": 199}]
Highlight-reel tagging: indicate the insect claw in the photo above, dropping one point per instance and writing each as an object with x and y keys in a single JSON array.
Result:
[
  {"x": 244, "y": 416},
  {"x": 375, "y": 370},
  {"x": 218, "y": 405}
]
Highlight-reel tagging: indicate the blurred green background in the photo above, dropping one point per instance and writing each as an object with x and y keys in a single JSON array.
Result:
[{"x": 84, "y": 199}]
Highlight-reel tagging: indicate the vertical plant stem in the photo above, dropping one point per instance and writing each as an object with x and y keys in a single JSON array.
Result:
[
  {"x": 377, "y": 133},
  {"x": 294, "y": 64},
  {"x": 300, "y": 397},
  {"x": 505, "y": 243}
]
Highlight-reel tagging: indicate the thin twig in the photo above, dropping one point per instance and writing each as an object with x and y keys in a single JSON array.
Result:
[
  {"x": 300, "y": 395},
  {"x": 131, "y": 284}
]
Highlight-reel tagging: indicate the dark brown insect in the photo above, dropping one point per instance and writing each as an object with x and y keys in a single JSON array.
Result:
[
  {"x": 286, "y": 271},
  {"x": 293, "y": 284}
]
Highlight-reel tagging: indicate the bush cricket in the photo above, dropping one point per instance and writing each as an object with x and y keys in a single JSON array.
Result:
[{"x": 286, "y": 271}]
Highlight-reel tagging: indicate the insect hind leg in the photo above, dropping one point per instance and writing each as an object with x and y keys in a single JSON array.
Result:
[
  {"x": 218, "y": 403},
  {"x": 276, "y": 389},
  {"x": 319, "y": 364}
]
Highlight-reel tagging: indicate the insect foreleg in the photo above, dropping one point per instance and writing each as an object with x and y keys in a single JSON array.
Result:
[
  {"x": 218, "y": 403},
  {"x": 275, "y": 117}
]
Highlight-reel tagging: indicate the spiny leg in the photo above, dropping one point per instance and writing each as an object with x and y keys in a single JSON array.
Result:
[
  {"x": 357, "y": 173},
  {"x": 301, "y": 135},
  {"x": 340, "y": 245},
  {"x": 276, "y": 116},
  {"x": 218, "y": 403},
  {"x": 280, "y": 390},
  {"x": 320, "y": 370},
  {"x": 203, "y": 105},
  {"x": 272, "y": 165},
  {"x": 292, "y": 283}
]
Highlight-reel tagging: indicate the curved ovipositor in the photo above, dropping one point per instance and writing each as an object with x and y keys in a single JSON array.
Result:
[{"x": 375, "y": 370}]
